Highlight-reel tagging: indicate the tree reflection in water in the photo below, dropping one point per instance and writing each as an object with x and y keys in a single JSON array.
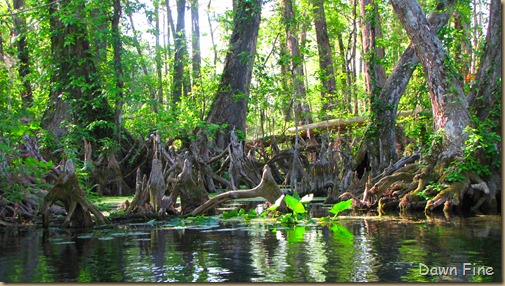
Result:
[{"x": 357, "y": 249}]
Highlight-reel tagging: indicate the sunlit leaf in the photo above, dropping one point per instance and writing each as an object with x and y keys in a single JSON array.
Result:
[
  {"x": 340, "y": 206},
  {"x": 294, "y": 204}
]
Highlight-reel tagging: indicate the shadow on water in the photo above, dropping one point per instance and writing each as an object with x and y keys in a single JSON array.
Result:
[{"x": 357, "y": 249}]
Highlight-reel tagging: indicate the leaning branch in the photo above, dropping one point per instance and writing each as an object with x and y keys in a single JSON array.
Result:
[{"x": 267, "y": 189}]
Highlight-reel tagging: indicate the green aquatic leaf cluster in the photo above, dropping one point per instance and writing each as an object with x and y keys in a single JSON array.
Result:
[{"x": 298, "y": 209}]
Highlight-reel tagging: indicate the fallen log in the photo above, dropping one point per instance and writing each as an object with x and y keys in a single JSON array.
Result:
[
  {"x": 267, "y": 189},
  {"x": 337, "y": 124}
]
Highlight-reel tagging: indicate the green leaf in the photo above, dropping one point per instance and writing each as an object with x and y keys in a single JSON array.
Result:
[
  {"x": 341, "y": 206},
  {"x": 295, "y": 205},
  {"x": 227, "y": 215},
  {"x": 287, "y": 219}
]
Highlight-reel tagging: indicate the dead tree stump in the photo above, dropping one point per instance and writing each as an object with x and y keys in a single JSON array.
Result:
[
  {"x": 67, "y": 191},
  {"x": 193, "y": 194},
  {"x": 149, "y": 192},
  {"x": 156, "y": 185}
]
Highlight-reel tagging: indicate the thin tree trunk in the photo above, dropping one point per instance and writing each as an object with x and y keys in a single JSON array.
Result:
[
  {"x": 118, "y": 65},
  {"x": 136, "y": 43},
  {"x": 351, "y": 56},
  {"x": 301, "y": 108},
  {"x": 463, "y": 49},
  {"x": 23, "y": 54},
  {"x": 159, "y": 78},
  {"x": 214, "y": 48},
  {"x": 181, "y": 84},
  {"x": 135, "y": 39},
  {"x": 486, "y": 93},
  {"x": 375, "y": 75},
  {"x": 195, "y": 42},
  {"x": 347, "y": 81}
]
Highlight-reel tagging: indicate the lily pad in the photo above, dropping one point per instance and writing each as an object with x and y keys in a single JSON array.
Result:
[
  {"x": 119, "y": 234},
  {"x": 65, "y": 242}
]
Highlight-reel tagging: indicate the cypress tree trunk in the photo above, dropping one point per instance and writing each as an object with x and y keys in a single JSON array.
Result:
[
  {"x": 450, "y": 113},
  {"x": 302, "y": 110},
  {"x": 230, "y": 104},
  {"x": 181, "y": 84},
  {"x": 382, "y": 148},
  {"x": 75, "y": 94},
  {"x": 327, "y": 72}
]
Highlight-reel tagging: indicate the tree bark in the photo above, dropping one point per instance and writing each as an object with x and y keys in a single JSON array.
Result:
[
  {"x": 301, "y": 108},
  {"x": 117, "y": 46},
  {"x": 67, "y": 191},
  {"x": 230, "y": 104},
  {"x": 156, "y": 185},
  {"x": 193, "y": 194},
  {"x": 374, "y": 72},
  {"x": 382, "y": 149},
  {"x": 195, "y": 41},
  {"x": 486, "y": 93},
  {"x": 159, "y": 78},
  {"x": 23, "y": 54},
  {"x": 181, "y": 84},
  {"x": 327, "y": 72},
  {"x": 450, "y": 113}
]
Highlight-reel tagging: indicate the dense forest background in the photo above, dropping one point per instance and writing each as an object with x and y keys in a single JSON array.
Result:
[{"x": 301, "y": 85}]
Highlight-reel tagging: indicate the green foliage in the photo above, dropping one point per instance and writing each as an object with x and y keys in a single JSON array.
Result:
[
  {"x": 294, "y": 204},
  {"x": 240, "y": 213},
  {"x": 481, "y": 153},
  {"x": 435, "y": 187},
  {"x": 340, "y": 206}
]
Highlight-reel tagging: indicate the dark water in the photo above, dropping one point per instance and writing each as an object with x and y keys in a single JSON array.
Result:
[{"x": 358, "y": 249}]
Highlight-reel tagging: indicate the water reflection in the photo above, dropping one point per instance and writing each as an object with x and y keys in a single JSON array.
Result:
[{"x": 359, "y": 249}]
